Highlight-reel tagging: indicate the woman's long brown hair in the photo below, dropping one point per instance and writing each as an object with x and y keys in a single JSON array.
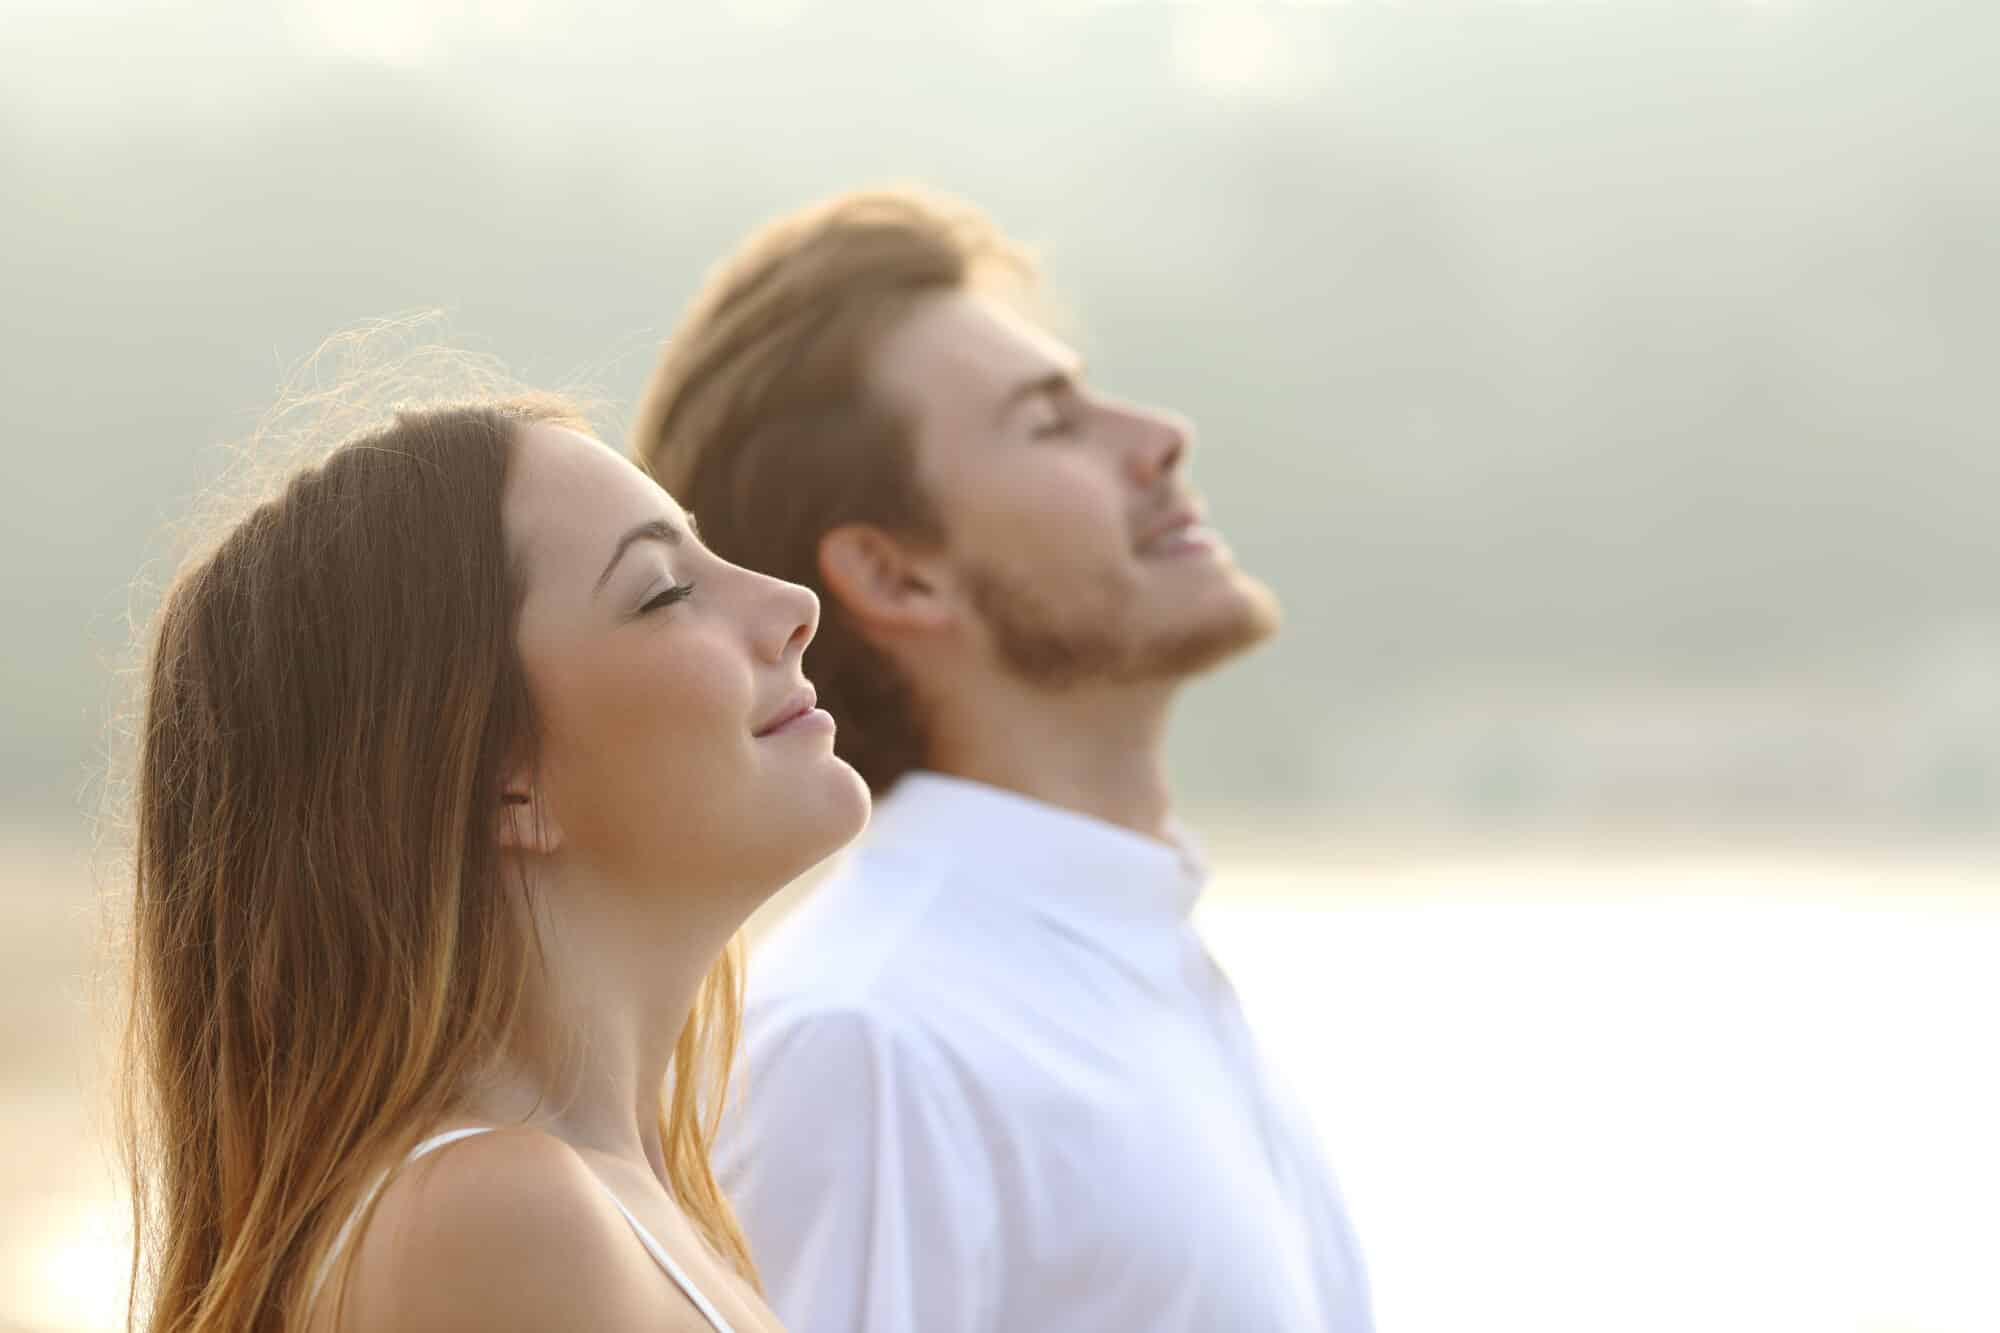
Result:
[{"x": 325, "y": 943}]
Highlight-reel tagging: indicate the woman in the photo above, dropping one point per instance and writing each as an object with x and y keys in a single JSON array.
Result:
[{"x": 462, "y": 762}]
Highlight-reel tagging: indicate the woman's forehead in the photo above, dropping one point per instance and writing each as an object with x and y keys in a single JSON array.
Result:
[{"x": 569, "y": 494}]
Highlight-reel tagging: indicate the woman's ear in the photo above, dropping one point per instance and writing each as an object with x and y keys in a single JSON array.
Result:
[
  {"x": 526, "y": 823},
  {"x": 888, "y": 587}
]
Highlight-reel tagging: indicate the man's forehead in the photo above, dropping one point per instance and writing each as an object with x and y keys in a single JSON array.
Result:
[{"x": 966, "y": 344}]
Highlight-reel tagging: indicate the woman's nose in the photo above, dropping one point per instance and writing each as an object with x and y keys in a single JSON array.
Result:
[{"x": 792, "y": 620}]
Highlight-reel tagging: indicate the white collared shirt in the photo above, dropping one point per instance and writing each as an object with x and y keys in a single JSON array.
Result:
[{"x": 992, "y": 1080}]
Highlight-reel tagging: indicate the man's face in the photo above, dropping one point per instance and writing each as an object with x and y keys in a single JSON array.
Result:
[{"x": 1071, "y": 530}]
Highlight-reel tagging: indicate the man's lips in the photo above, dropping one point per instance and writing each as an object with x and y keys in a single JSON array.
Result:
[
  {"x": 1185, "y": 521},
  {"x": 796, "y": 705}
]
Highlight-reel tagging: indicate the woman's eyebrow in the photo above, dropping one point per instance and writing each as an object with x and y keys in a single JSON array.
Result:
[{"x": 653, "y": 529}]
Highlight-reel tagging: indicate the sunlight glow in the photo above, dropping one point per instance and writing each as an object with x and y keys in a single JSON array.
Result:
[
  {"x": 407, "y": 33},
  {"x": 72, "y": 1275},
  {"x": 1229, "y": 50}
]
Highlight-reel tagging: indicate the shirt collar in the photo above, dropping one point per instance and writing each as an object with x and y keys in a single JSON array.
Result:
[{"x": 1046, "y": 856}]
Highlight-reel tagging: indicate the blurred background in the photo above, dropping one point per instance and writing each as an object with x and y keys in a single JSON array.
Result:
[{"x": 1607, "y": 848}]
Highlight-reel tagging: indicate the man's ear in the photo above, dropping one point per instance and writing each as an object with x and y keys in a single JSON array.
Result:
[
  {"x": 889, "y": 587},
  {"x": 525, "y": 821}
]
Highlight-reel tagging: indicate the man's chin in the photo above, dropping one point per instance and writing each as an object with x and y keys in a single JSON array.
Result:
[
  {"x": 1132, "y": 643},
  {"x": 1247, "y": 618}
]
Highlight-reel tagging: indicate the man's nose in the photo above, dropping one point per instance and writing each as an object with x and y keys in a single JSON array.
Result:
[{"x": 1161, "y": 441}]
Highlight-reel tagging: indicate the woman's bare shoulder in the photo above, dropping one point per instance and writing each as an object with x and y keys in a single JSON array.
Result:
[{"x": 505, "y": 1232}]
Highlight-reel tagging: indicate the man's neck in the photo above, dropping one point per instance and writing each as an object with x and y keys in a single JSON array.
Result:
[{"x": 1095, "y": 750}]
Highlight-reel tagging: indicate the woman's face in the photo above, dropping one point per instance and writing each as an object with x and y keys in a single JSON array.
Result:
[{"x": 678, "y": 742}]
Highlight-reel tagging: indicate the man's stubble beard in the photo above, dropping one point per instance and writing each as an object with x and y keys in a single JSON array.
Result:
[{"x": 1041, "y": 647}]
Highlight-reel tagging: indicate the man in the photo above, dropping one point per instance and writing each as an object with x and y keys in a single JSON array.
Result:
[{"x": 992, "y": 1078}]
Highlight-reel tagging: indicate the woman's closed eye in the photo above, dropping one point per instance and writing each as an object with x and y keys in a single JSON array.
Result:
[{"x": 667, "y": 597}]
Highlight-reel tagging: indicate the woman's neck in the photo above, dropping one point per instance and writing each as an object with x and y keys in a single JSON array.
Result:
[{"x": 621, "y": 970}]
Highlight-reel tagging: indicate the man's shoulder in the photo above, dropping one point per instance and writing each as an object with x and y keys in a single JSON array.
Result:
[
  {"x": 881, "y": 1010},
  {"x": 870, "y": 974},
  {"x": 915, "y": 1030},
  {"x": 857, "y": 940},
  {"x": 904, "y": 966}
]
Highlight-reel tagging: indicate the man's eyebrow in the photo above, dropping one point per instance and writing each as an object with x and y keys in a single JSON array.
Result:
[
  {"x": 653, "y": 529},
  {"x": 1062, "y": 379}
]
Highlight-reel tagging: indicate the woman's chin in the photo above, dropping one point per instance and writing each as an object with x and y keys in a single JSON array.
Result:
[
  {"x": 823, "y": 819},
  {"x": 847, "y": 806}
]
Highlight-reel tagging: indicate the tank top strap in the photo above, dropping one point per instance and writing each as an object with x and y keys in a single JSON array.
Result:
[
  {"x": 657, "y": 1251},
  {"x": 345, "y": 1236},
  {"x": 667, "y": 1264},
  {"x": 436, "y": 1141},
  {"x": 652, "y": 1247}
]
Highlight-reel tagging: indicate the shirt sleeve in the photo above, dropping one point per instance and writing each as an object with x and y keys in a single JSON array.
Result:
[{"x": 862, "y": 1178}]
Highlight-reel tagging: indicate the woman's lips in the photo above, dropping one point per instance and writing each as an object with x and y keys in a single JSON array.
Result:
[
  {"x": 812, "y": 720},
  {"x": 802, "y": 702}
]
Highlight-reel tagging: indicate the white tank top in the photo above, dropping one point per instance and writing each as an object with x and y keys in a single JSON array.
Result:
[{"x": 653, "y": 1247}]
